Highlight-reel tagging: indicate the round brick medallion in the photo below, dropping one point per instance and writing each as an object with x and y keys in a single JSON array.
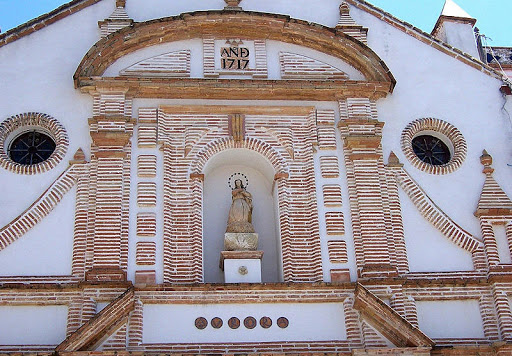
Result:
[
  {"x": 216, "y": 323},
  {"x": 250, "y": 322},
  {"x": 282, "y": 322},
  {"x": 201, "y": 323},
  {"x": 234, "y": 323},
  {"x": 265, "y": 322}
]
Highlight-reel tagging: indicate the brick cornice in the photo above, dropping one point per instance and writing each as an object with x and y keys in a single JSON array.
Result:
[
  {"x": 192, "y": 88},
  {"x": 249, "y": 25}
]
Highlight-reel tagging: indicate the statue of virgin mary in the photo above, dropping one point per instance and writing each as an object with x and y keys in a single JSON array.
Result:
[{"x": 240, "y": 213}]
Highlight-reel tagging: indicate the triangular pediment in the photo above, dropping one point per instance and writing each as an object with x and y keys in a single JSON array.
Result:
[
  {"x": 493, "y": 197},
  {"x": 493, "y": 200}
]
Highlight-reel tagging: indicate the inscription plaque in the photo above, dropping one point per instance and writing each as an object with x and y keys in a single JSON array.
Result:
[{"x": 236, "y": 58}]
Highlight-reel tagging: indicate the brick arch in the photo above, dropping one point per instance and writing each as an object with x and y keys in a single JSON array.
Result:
[
  {"x": 276, "y": 160},
  {"x": 246, "y": 24}
]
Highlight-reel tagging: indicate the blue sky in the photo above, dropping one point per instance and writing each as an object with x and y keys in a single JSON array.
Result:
[{"x": 494, "y": 16}]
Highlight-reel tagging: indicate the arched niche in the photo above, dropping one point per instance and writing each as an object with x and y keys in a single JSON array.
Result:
[{"x": 217, "y": 201}]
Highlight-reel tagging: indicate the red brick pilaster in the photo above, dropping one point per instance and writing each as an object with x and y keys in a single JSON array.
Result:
[
  {"x": 502, "y": 305},
  {"x": 361, "y": 134},
  {"x": 111, "y": 129},
  {"x": 182, "y": 234}
]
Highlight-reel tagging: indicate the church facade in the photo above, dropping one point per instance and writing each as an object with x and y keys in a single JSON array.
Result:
[{"x": 269, "y": 177}]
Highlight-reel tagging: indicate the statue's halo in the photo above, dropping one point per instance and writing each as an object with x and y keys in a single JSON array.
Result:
[{"x": 234, "y": 177}]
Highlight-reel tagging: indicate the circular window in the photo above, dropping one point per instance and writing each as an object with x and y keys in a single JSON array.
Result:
[
  {"x": 31, "y": 148},
  {"x": 31, "y": 143},
  {"x": 433, "y": 146},
  {"x": 431, "y": 150}
]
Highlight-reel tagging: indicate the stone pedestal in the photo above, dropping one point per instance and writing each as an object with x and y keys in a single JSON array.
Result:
[
  {"x": 241, "y": 266},
  {"x": 240, "y": 241}
]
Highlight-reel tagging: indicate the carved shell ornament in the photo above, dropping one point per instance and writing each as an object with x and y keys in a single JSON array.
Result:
[{"x": 236, "y": 176}]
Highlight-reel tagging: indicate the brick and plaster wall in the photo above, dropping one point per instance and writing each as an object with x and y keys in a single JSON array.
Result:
[{"x": 323, "y": 135}]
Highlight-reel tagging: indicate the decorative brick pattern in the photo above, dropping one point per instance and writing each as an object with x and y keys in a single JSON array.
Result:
[
  {"x": 260, "y": 49},
  {"x": 173, "y": 64},
  {"x": 257, "y": 70},
  {"x": 436, "y": 216},
  {"x": 41, "y": 207},
  {"x": 277, "y": 27},
  {"x": 296, "y": 66},
  {"x": 146, "y": 194},
  {"x": 135, "y": 326},
  {"x": 504, "y": 311},
  {"x": 111, "y": 104},
  {"x": 81, "y": 220},
  {"x": 332, "y": 195},
  {"x": 395, "y": 222},
  {"x": 334, "y": 223},
  {"x": 493, "y": 202},
  {"x": 352, "y": 322},
  {"x": 368, "y": 196},
  {"x": 491, "y": 246},
  {"x": 359, "y": 108},
  {"x": 388, "y": 322},
  {"x": 183, "y": 256},
  {"x": 117, "y": 20},
  {"x": 117, "y": 341},
  {"x": 148, "y": 116},
  {"x": 111, "y": 127},
  {"x": 372, "y": 339},
  {"x": 326, "y": 138},
  {"x": 46, "y": 123},
  {"x": 95, "y": 327},
  {"x": 108, "y": 207},
  {"x": 325, "y": 117},
  {"x": 123, "y": 263},
  {"x": 146, "y": 135},
  {"x": 347, "y": 25},
  {"x": 446, "y": 130},
  {"x": 146, "y": 224},
  {"x": 329, "y": 167},
  {"x": 209, "y": 57},
  {"x": 146, "y": 166},
  {"x": 337, "y": 251},
  {"x": 146, "y": 253}
]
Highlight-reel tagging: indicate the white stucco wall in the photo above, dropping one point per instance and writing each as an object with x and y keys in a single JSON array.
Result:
[
  {"x": 461, "y": 36},
  {"x": 46, "y": 249},
  {"x": 433, "y": 84},
  {"x": 428, "y": 250},
  {"x": 307, "y": 322},
  {"x": 325, "y": 12},
  {"x": 450, "y": 319},
  {"x": 33, "y": 325},
  {"x": 37, "y": 76}
]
